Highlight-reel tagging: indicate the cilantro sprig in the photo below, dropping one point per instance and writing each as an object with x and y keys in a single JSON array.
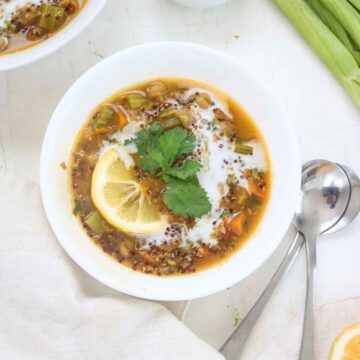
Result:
[{"x": 158, "y": 151}]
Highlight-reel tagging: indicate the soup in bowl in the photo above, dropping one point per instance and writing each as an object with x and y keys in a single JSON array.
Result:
[
  {"x": 170, "y": 176},
  {"x": 178, "y": 176},
  {"x": 30, "y": 30}
]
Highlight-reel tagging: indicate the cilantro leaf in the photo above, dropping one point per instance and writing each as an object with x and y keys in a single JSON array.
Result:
[
  {"x": 158, "y": 150},
  {"x": 129, "y": 141},
  {"x": 187, "y": 171},
  {"x": 147, "y": 144},
  {"x": 187, "y": 146},
  {"x": 173, "y": 144},
  {"x": 186, "y": 198}
]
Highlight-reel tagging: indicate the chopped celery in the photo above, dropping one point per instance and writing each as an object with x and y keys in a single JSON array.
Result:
[
  {"x": 243, "y": 149},
  {"x": 179, "y": 117},
  {"x": 240, "y": 137},
  {"x": 170, "y": 123},
  {"x": 104, "y": 116},
  {"x": 77, "y": 207},
  {"x": 10, "y": 26},
  {"x": 347, "y": 16},
  {"x": 52, "y": 17},
  {"x": 167, "y": 114},
  {"x": 335, "y": 26},
  {"x": 327, "y": 45},
  {"x": 136, "y": 101},
  {"x": 96, "y": 223}
]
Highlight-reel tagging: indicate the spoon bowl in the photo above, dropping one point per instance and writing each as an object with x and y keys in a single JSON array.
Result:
[
  {"x": 324, "y": 198},
  {"x": 353, "y": 207}
]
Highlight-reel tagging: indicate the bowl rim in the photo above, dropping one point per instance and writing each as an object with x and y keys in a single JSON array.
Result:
[
  {"x": 198, "y": 293},
  {"x": 61, "y": 38}
]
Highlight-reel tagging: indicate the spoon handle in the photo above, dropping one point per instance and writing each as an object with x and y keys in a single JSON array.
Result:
[
  {"x": 234, "y": 345},
  {"x": 307, "y": 342}
]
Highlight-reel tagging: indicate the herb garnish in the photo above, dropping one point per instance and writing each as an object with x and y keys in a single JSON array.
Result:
[{"x": 158, "y": 151}]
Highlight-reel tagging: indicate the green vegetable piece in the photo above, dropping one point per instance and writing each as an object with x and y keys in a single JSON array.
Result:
[
  {"x": 186, "y": 199},
  {"x": 167, "y": 114},
  {"x": 170, "y": 123},
  {"x": 146, "y": 142},
  {"x": 158, "y": 150},
  {"x": 187, "y": 171},
  {"x": 77, "y": 207},
  {"x": 52, "y": 17},
  {"x": 129, "y": 141},
  {"x": 347, "y": 15},
  {"x": 10, "y": 26},
  {"x": 136, "y": 101},
  {"x": 327, "y": 45},
  {"x": 96, "y": 223},
  {"x": 243, "y": 149},
  {"x": 104, "y": 116},
  {"x": 335, "y": 26},
  {"x": 355, "y": 4},
  {"x": 245, "y": 138},
  {"x": 188, "y": 143},
  {"x": 174, "y": 143}
]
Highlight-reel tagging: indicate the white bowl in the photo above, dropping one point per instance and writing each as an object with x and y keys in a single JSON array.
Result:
[
  {"x": 27, "y": 56},
  {"x": 134, "y": 65}
]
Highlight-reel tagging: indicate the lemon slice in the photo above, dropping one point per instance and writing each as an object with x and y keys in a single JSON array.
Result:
[
  {"x": 347, "y": 344},
  {"x": 120, "y": 198}
]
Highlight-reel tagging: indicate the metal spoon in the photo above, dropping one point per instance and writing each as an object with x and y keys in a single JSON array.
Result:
[
  {"x": 325, "y": 196},
  {"x": 234, "y": 345}
]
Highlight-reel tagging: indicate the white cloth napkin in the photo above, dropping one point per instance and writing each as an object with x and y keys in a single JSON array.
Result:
[
  {"x": 330, "y": 320},
  {"x": 51, "y": 309}
]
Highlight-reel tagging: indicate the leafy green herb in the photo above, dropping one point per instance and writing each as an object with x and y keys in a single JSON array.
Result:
[
  {"x": 129, "y": 141},
  {"x": 112, "y": 140},
  {"x": 186, "y": 198},
  {"x": 187, "y": 171},
  {"x": 158, "y": 150},
  {"x": 147, "y": 143}
]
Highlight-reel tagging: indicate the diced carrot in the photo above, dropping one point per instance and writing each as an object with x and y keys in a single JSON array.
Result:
[
  {"x": 122, "y": 119},
  {"x": 237, "y": 224}
]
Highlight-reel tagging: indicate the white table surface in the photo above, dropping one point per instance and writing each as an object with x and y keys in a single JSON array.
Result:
[{"x": 326, "y": 122}]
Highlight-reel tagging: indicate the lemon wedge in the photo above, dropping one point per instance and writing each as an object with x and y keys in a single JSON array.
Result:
[
  {"x": 347, "y": 344},
  {"x": 119, "y": 197}
]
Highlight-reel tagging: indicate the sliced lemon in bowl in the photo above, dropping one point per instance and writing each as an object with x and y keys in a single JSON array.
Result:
[
  {"x": 119, "y": 197},
  {"x": 347, "y": 344}
]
